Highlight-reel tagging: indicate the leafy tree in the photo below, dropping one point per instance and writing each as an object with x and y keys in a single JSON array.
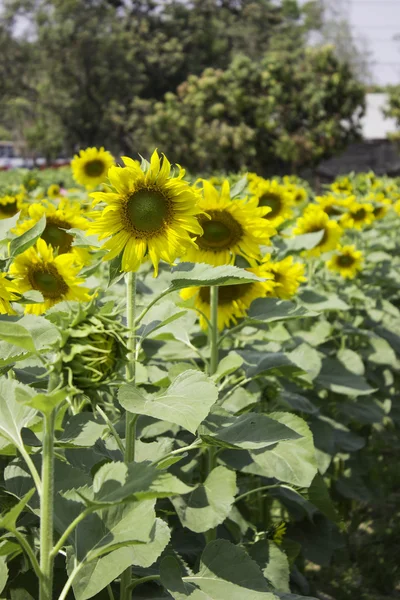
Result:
[
  {"x": 288, "y": 109},
  {"x": 393, "y": 108}
]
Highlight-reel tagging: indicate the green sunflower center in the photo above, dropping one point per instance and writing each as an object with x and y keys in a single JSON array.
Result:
[
  {"x": 221, "y": 232},
  {"x": 147, "y": 210},
  {"x": 274, "y": 201},
  {"x": 55, "y": 235},
  {"x": 8, "y": 210},
  {"x": 49, "y": 282},
  {"x": 226, "y": 293},
  {"x": 95, "y": 168},
  {"x": 345, "y": 260},
  {"x": 359, "y": 214}
]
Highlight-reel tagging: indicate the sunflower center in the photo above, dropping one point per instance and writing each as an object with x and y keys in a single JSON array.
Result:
[
  {"x": 55, "y": 235},
  {"x": 274, "y": 201},
  {"x": 359, "y": 215},
  {"x": 8, "y": 210},
  {"x": 332, "y": 210},
  {"x": 94, "y": 168},
  {"x": 221, "y": 232},
  {"x": 226, "y": 293},
  {"x": 49, "y": 282},
  {"x": 345, "y": 260},
  {"x": 147, "y": 210}
]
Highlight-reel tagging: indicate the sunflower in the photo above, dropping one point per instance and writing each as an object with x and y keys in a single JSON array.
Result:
[
  {"x": 151, "y": 214},
  {"x": 347, "y": 261},
  {"x": 380, "y": 203},
  {"x": 67, "y": 215},
  {"x": 230, "y": 228},
  {"x": 276, "y": 533},
  {"x": 288, "y": 276},
  {"x": 358, "y": 216},
  {"x": 233, "y": 300},
  {"x": 315, "y": 219},
  {"x": 396, "y": 207},
  {"x": 53, "y": 191},
  {"x": 55, "y": 277},
  {"x": 90, "y": 166},
  {"x": 342, "y": 185},
  {"x": 8, "y": 293},
  {"x": 268, "y": 193},
  {"x": 10, "y": 205},
  {"x": 297, "y": 191},
  {"x": 332, "y": 205}
]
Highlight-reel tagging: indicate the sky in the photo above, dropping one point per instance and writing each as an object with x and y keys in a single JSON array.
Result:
[{"x": 374, "y": 23}]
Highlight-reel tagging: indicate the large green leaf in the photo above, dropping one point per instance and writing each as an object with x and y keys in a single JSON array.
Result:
[
  {"x": 268, "y": 310},
  {"x": 14, "y": 415},
  {"x": 116, "y": 482},
  {"x": 227, "y": 571},
  {"x": 292, "y": 461},
  {"x": 27, "y": 239},
  {"x": 199, "y": 274},
  {"x": 250, "y": 431},
  {"x": 335, "y": 377},
  {"x": 20, "y": 338},
  {"x": 271, "y": 363},
  {"x": 210, "y": 503},
  {"x": 307, "y": 241},
  {"x": 277, "y": 569},
  {"x": 9, "y": 519},
  {"x": 319, "y": 302},
  {"x": 3, "y": 573},
  {"x": 186, "y": 402}
]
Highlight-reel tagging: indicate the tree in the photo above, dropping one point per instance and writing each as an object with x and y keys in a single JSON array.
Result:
[{"x": 288, "y": 110}]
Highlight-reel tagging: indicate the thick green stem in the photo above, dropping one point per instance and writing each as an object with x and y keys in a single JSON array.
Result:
[
  {"x": 130, "y": 419},
  {"x": 214, "y": 355},
  {"x": 46, "y": 508}
]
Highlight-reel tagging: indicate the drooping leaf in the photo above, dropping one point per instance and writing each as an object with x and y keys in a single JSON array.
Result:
[
  {"x": 198, "y": 274},
  {"x": 291, "y": 461},
  {"x": 27, "y": 239},
  {"x": 210, "y": 503},
  {"x": 186, "y": 402}
]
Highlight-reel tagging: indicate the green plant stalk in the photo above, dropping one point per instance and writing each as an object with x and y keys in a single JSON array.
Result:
[
  {"x": 214, "y": 359},
  {"x": 46, "y": 508},
  {"x": 130, "y": 419}
]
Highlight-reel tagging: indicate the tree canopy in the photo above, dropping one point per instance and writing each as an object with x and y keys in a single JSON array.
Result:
[{"x": 115, "y": 72}]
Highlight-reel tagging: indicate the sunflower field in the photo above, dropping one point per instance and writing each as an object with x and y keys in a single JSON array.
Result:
[{"x": 199, "y": 391}]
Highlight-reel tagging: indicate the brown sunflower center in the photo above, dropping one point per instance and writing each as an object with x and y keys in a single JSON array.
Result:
[
  {"x": 332, "y": 210},
  {"x": 49, "y": 282},
  {"x": 226, "y": 293},
  {"x": 55, "y": 235},
  {"x": 274, "y": 201},
  {"x": 345, "y": 260},
  {"x": 221, "y": 232},
  {"x": 148, "y": 210},
  {"x": 8, "y": 210},
  {"x": 359, "y": 214},
  {"x": 95, "y": 168}
]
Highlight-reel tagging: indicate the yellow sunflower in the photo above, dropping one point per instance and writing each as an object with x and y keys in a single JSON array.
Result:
[
  {"x": 230, "y": 228},
  {"x": 151, "y": 214},
  {"x": 396, "y": 207},
  {"x": 233, "y": 300},
  {"x": 332, "y": 205},
  {"x": 342, "y": 185},
  {"x": 380, "y": 203},
  {"x": 297, "y": 191},
  {"x": 288, "y": 275},
  {"x": 347, "y": 261},
  {"x": 90, "y": 167},
  {"x": 315, "y": 219},
  {"x": 10, "y": 205},
  {"x": 277, "y": 198},
  {"x": 8, "y": 293},
  {"x": 67, "y": 215},
  {"x": 358, "y": 216},
  {"x": 55, "y": 277},
  {"x": 53, "y": 191}
]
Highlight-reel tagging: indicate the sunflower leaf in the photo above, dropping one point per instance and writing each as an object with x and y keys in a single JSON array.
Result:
[
  {"x": 27, "y": 239},
  {"x": 199, "y": 274}
]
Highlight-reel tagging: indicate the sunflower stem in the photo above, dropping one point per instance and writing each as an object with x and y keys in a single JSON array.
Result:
[
  {"x": 214, "y": 359},
  {"x": 130, "y": 419},
  {"x": 47, "y": 502}
]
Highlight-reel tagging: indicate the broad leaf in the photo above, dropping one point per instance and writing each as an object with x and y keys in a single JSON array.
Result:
[
  {"x": 335, "y": 377},
  {"x": 14, "y": 415},
  {"x": 199, "y": 274},
  {"x": 186, "y": 402},
  {"x": 268, "y": 310},
  {"x": 27, "y": 239},
  {"x": 210, "y": 503},
  {"x": 229, "y": 364},
  {"x": 292, "y": 461}
]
